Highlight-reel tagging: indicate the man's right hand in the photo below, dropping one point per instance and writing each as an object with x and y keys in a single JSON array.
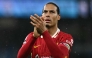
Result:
[{"x": 35, "y": 33}]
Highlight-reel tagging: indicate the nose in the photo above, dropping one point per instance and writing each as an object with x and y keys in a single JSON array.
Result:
[{"x": 47, "y": 14}]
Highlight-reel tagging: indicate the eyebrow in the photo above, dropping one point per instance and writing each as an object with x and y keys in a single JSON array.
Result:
[{"x": 49, "y": 10}]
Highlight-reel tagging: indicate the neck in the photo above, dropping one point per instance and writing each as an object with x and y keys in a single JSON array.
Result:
[{"x": 52, "y": 30}]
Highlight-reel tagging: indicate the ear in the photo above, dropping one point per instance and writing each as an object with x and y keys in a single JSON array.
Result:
[{"x": 58, "y": 17}]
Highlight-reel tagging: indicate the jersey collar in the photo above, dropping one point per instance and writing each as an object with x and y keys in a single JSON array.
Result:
[{"x": 55, "y": 34}]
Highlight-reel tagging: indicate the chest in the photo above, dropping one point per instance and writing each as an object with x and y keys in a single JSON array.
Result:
[{"x": 40, "y": 48}]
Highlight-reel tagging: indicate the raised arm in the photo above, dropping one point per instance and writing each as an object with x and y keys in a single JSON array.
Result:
[{"x": 26, "y": 48}]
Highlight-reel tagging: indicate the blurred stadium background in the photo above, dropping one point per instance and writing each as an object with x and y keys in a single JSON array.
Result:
[{"x": 14, "y": 24}]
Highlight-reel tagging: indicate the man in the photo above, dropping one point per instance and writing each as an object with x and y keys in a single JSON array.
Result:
[{"x": 46, "y": 41}]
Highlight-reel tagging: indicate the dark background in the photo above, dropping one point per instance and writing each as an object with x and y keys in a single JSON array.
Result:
[{"x": 14, "y": 25}]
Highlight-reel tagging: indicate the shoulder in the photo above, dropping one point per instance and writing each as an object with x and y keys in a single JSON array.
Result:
[
  {"x": 64, "y": 34},
  {"x": 29, "y": 35},
  {"x": 66, "y": 37}
]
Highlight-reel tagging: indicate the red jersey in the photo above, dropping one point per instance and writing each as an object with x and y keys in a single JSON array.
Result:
[{"x": 46, "y": 46}]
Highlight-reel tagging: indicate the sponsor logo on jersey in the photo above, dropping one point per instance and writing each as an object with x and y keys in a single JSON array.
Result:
[{"x": 36, "y": 46}]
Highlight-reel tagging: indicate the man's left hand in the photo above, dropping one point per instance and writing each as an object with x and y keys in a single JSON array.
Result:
[{"x": 39, "y": 23}]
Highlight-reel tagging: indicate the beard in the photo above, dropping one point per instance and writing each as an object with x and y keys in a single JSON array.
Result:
[{"x": 48, "y": 26}]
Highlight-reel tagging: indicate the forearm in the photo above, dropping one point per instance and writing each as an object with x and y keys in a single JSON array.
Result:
[
  {"x": 26, "y": 48},
  {"x": 56, "y": 51}
]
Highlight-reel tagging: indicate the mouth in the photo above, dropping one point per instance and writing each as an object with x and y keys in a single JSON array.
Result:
[{"x": 47, "y": 20}]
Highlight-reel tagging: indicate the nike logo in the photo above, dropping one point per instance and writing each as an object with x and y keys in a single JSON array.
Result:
[{"x": 37, "y": 46}]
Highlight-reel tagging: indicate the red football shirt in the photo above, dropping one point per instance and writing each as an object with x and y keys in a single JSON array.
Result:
[{"x": 46, "y": 46}]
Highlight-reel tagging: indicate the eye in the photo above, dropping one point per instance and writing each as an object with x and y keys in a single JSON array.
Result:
[
  {"x": 52, "y": 11},
  {"x": 44, "y": 11}
]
